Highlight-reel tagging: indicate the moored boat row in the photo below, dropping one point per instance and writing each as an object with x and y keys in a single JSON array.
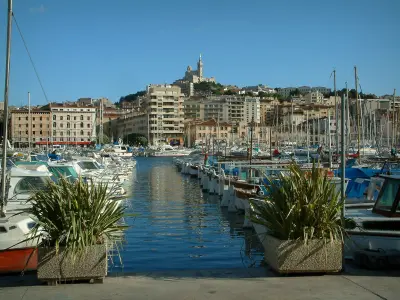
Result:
[{"x": 373, "y": 202}]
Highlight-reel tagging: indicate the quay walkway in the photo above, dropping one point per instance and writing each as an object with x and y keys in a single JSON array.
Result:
[{"x": 213, "y": 284}]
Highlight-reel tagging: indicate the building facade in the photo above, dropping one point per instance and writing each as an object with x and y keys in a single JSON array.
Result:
[
  {"x": 35, "y": 126},
  {"x": 72, "y": 124},
  {"x": 207, "y": 132},
  {"x": 252, "y": 110},
  {"x": 162, "y": 120},
  {"x": 285, "y": 92}
]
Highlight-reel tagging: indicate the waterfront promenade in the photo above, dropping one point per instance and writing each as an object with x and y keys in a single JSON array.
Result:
[{"x": 213, "y": 284}]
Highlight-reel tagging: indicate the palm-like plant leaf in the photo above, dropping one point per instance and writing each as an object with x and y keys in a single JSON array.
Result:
[
  {"x": 300, "y": 205},
  {"x": 74, "y": 215}
]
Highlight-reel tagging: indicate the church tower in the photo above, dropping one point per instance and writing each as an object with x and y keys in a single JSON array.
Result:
[{"x": 200, "y": 68}]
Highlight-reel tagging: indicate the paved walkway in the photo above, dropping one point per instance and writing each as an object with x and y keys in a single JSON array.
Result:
[{"x": 213, "y": 284}]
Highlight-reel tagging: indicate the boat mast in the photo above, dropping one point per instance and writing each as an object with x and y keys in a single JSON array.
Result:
[
  {"x": 5, "y": 123},
  {"x": 336, "y": 113},
  {"x": 329, "y": 138},
  {"x": 393, "y": 123},
  {"x": 308, "y": 139},
  {"x": 358, "y": 113},
  {"x": 349, "y": 141},
  {"x": 29, "y": 122}
]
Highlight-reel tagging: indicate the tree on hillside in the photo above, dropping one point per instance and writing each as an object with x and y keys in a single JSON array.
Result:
[
  {"x": 132, "y": 97},
  {"x": 230, "y": 92},
  {"x": 208, "y": 88},
  {"x": 296, "y": 92}
]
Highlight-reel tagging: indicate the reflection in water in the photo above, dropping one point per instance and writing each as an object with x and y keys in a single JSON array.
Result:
[{"x": 178, "y": 227}]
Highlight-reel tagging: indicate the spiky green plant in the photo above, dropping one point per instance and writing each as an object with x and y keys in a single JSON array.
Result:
[
  {"x": 300, "y": 205},
  {"x": 74, "y": 215}
]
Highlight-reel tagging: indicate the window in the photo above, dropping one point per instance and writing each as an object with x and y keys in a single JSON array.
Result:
[
  {"x": 68, "y": 125},
  {"x": 61, "y": 133},
  {"x": 388, "y": 197},
  {"x": 33, "y": 118},
  {"x": 74, "y": 125},
  {"x": 30, "y": 184},
  {"x": 19, "y": 119},
  {"x": 27, "y": 118},
  {"x": 88, "y": 125},
  {"x": 62, "y": 125},
  {"x": 19, "y": 125},
  {"x": 54, "y": 124},
  {"x": 33, "y": 132},
  {"x": 75, "y": 118},
  {"x": 68, "y": 117},
  {"x": 54, "y": 117},
  {"x": 81, "y": 117},
  {"x": 81, "y": 124},
  {"x": 33, "y": 125},
  {"x": 41, "y": 132},
  {"x": 61, "y": 118},
  {"x": 54, "y": 133},
  {"x": 88, "y": 118},
  {"x": 68, "y": 132},
  {"x": 81, "y": 132}
]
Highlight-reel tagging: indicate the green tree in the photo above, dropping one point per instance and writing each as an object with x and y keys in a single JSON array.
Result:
[
  {"x": 230, "y": 92},
  {"x": 135, "y": 139},
  {"x": 106, "y": 139},
  {"x": 132, "y": 97}
]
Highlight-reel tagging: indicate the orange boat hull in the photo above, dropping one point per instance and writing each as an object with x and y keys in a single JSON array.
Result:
[{"x": 17, "y": 260}]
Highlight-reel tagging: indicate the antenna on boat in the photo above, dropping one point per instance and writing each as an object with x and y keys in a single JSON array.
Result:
[{"x": 5, "y": 123}]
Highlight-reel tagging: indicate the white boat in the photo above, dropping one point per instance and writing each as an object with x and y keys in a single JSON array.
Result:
[
  {"x": 378, "y": 228},
  {"x": 169, "y": 151},
  {"x": 119, "y": 150}
]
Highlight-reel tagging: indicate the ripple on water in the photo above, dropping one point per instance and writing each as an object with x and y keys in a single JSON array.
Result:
[{"x": 178, "y": 227}]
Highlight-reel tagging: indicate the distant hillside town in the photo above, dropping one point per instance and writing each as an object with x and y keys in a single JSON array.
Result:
[{"x": 192, "y": 110}]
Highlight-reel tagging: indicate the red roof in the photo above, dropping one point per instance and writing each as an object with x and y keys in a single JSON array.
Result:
[
  {"x": 63, "y": 143},
  {"x": 213, "y": 122}
]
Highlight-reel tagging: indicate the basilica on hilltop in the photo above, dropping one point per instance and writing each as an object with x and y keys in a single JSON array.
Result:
[
  {"x": 191, "y": 77},
  {"x": 196, "y": 76}
]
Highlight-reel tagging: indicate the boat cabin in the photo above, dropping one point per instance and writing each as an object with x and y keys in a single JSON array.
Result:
[
  {"x": 23, "y": 183},
  {"x": 388, "y": 202}
]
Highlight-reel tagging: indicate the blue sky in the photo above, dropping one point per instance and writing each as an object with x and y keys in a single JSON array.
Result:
[{"x": 110, "y": 48}]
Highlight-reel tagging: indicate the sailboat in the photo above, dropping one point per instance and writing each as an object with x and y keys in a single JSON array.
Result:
[{"x": 15, "y": 254}]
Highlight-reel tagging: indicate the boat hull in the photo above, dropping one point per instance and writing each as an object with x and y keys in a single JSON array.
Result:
[{"x": 18, "y": 260}]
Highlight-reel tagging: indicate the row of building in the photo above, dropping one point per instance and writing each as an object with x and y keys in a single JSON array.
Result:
[{"x": 164, "y": 114}]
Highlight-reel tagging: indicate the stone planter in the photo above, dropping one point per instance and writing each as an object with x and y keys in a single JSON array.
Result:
[
  {"x": 92, "y": 265},
  {"x": 317, "y": 256}
]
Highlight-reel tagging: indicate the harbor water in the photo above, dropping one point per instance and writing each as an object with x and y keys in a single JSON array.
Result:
[{"x": 178, "y": 227}]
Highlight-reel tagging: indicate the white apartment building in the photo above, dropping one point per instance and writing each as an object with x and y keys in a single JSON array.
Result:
[
  {"x": 233, "y": 109},
  {"x": 73, "y": 124},
  {"x": 164, "y": 112},
  {"x": 252, "y": 110},
  {"x": 314, "y": 97}
]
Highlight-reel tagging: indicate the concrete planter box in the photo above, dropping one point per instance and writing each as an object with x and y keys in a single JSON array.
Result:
[
  {"x": 53, "y": 267},
  {"x": 317, "y": 256}
]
